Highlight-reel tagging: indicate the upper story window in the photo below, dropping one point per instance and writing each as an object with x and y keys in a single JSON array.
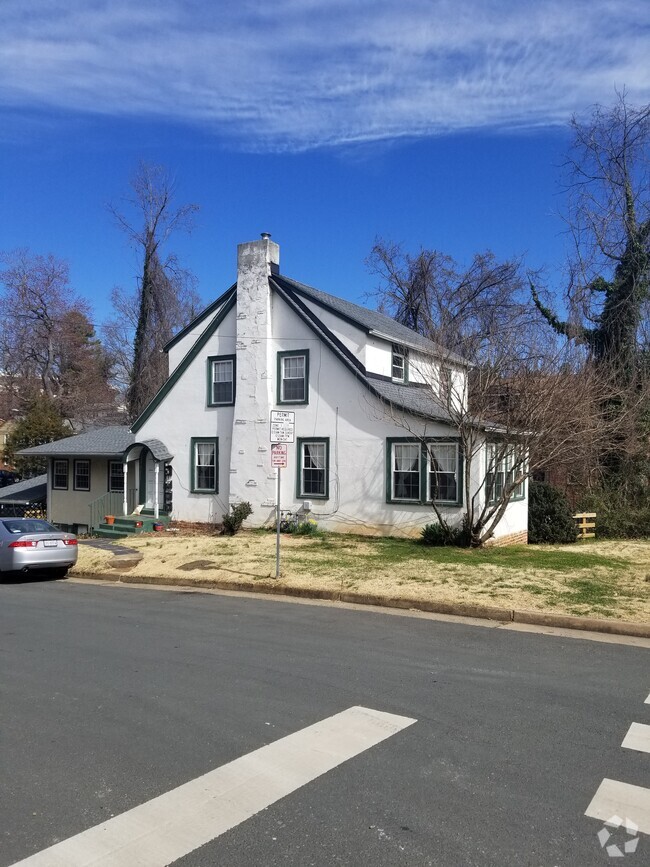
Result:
[
  {"x": 293, "y": 376},
  {"x": 399, "y": 364},
  {"x": 221, "y": 380}
]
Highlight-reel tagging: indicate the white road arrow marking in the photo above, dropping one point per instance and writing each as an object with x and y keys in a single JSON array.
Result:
[{"x": 172, "y": 825}]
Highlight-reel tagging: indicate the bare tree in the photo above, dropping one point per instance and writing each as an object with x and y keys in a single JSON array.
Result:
[
  {"x": 608, "y": 217},
  {"x": 151, "y": 219},
  {"x": 468, "y": 308},
  {"x": 48, "y": 343},
  {"x": 521, "y": 402}
]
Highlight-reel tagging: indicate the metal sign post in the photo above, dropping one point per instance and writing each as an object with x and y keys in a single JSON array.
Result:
[{"x": 279, "y": 461}]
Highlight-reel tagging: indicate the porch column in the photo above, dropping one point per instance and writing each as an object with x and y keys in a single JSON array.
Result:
[
  {"x": 156, "y": 474},
  {"x": 125, "y": 498}
]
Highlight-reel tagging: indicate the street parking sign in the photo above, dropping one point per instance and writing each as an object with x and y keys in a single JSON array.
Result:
[
  {"x": 283, "y": 426},
  {"x": 279, "y": 455}
]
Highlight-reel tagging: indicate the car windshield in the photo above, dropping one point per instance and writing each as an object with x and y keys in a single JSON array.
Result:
[{"x": 33, "y": 526}]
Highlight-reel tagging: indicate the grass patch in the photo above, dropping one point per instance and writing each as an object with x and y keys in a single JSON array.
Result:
[{"x": 603, "y": 579}]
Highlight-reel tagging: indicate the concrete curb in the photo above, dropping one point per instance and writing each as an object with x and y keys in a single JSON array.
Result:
[{"x": 483, "y": 612}]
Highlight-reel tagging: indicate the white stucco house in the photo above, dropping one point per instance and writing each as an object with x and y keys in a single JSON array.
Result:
[{"x": 371, "y": 446}]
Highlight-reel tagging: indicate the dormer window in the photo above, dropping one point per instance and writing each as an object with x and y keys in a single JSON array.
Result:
[{"x": 399, "y": 363}]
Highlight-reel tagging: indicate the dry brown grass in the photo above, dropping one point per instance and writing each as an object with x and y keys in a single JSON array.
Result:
[{"x": 601, "y": 579}]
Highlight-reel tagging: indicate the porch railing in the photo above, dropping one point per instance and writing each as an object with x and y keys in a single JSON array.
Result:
[{"x": 111, "y": 503}]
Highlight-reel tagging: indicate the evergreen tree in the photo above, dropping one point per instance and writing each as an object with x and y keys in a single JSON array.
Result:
[{"x": 41, "y": 424}]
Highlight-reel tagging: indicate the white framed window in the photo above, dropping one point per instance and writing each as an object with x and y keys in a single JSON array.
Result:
[
  {"x": 293, "y": 376},
  {"x": 504, "y": 464},
  {"x": 60, "y": 474},
  {"x": 443, "y": 471},
  {"x": 81, "y": 475},
  {"x": 422, "y": 471},
  {"x": 221, "y": 380},
  {"x": 399, "y": 363},
  {"x": 205, "y": 465},
  {"x": 313, "y": 468},
  {"x": 405, "y": 473},
  {"x": 115, "y": 476}
]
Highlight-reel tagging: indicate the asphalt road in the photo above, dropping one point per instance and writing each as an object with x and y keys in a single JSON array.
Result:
[{"x": 112, "y": 696}]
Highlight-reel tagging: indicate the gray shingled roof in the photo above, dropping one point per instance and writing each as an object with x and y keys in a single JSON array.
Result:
[
  {"x": 158, "y": 449},
  {"x": 103, "y": 442},
  {"x": 371, "y": 320},
  {"x": 27, "y": 491},
  {"x": 413, "y": 398}
]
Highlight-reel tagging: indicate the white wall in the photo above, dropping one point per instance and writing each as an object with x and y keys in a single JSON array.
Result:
[
  {"x": 339, "y": 408},
  {"x": 185, "y": 414}
]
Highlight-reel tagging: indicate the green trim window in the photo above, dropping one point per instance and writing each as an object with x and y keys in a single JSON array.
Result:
[
  {"x": 503, "y": 464},
  {"x": 424, "y": 471},
  {"x": 293, "y": 376},
  {"x": 405, "y": 475},
  {"x": 221, "y": 380},
  {"x": 116, "y": 476},
  {"x": 399, "y": 363},
  {"x": 443, "y": 471},
  {"x": 81, "y": 475},
  {"x": 60, "y": 474},
  {"x": 313, "y": 467},
  {"x": 204, "y": 469}
]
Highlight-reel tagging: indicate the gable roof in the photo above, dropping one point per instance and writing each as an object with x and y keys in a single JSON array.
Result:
[
  {"x": 204, "y": 314},
  {"x": 371, "y": 321},
  {"x": 404, "y": 397},
  {"x": 189, "y": 357},
  {"x": 104, "y": 442}
]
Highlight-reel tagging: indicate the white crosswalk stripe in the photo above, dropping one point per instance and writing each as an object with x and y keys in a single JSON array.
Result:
[
  {"x": 614, "y": 798},
  {"x": 637, "y": 738},
  {"x": 172, "y": 825}
]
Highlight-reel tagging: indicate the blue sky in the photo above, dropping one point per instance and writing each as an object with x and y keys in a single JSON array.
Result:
[{"x": 324, "y": 122}]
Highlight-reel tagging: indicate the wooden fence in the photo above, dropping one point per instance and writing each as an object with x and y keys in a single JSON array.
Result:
[{"x": 585, "y": 524}]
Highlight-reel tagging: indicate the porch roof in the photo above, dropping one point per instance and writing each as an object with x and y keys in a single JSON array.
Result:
[
  {"x": 157, "y": 448},
  {"x": 104, "y": 442}
]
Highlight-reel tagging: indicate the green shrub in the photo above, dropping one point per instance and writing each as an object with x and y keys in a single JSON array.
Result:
[
  {"x": 549, "y": 515},
  {"x": 305, "y": 528},
  {"x": 437, "y": 535},
  {"x": 298, "y": 526},
  {"x": 233, "y": 519}
]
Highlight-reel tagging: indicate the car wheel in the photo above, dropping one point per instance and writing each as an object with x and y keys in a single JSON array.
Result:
[{"x": 59, "y": 573}]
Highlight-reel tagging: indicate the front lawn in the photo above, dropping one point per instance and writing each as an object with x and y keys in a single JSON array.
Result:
[{"x": 598, "y": 579}]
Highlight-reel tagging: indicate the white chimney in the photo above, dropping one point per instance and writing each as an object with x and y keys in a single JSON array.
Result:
[{"x": 251, "y": 477}]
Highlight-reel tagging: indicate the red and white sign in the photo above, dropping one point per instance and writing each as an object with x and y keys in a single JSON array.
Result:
[{"x": 279, "y": 455}]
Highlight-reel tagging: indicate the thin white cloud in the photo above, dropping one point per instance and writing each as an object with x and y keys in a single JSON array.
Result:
[{"x": 296, "y": 74}]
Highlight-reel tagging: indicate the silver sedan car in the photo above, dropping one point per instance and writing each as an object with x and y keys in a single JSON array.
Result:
[{"x": 32, "y": 545}]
